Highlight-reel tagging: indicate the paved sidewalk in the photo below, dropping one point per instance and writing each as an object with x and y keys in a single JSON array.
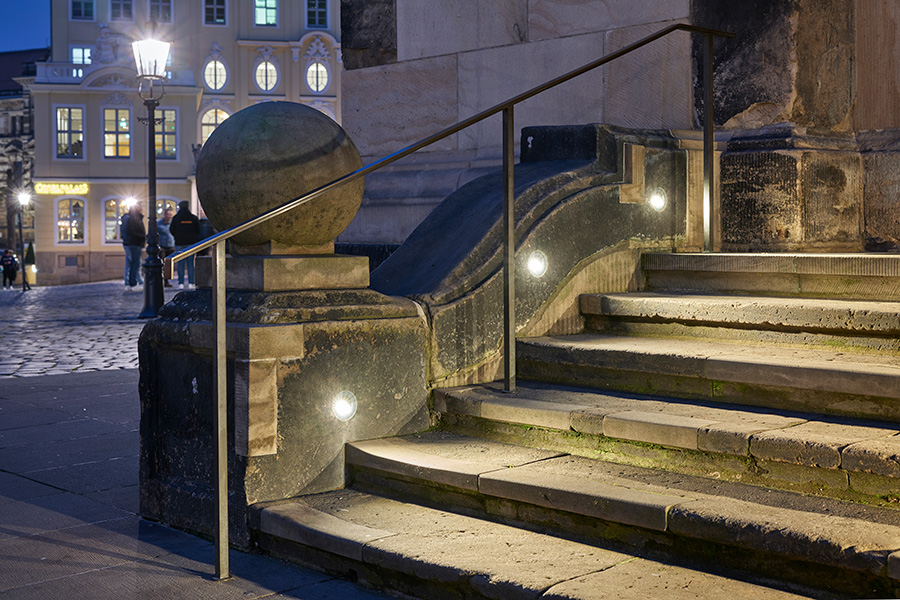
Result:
[
  {"x": 70, "y": 328},
  {"x": 69, "y": 446}
]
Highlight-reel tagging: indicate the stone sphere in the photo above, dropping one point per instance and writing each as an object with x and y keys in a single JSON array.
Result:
[{"x": 268, "y": 154}]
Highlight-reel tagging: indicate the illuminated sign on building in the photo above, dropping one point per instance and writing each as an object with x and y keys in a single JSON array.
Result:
[{"x": 58, "y": 189}]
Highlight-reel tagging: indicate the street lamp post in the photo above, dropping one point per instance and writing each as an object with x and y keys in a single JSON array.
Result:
[
  {"x": 150, "y": 56},
  {"x": 24, "y": 199}
]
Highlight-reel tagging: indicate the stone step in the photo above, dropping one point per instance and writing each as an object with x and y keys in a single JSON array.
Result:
[
  {"x": 422, "y": 552},
  {"x": 807, "y": 453},
  {"x": 861, "y": 276},
  {"x": 804, "y": 379},
  {"x": 847, "y": 324}
]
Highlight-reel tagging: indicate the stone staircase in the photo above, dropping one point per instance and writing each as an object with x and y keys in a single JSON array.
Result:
[{"x": 731, "y": 430}]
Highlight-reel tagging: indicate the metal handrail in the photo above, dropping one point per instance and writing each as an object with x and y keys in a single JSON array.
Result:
[{"x": 218, "y": 240}]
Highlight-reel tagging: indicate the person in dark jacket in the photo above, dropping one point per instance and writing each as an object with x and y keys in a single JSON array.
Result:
[
  {"x": 185, "y": 228},
  {"x": 10, "y": 267},
  {"x": 134, "y": 237}
]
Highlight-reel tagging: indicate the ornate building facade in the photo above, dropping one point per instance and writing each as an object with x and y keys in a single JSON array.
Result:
[{"x": 90, "y": 150}]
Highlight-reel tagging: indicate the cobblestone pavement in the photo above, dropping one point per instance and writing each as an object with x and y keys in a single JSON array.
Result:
[{"x": 53, "y": 330}]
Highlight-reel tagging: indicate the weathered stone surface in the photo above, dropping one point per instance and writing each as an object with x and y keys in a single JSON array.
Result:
[
  {"x": 368, "y": 33},
  {"x": 560, "y": 18},
  {"x": 650, "y": 87},
  {"x": 281, "y": 423},
  {"x": 486, "y": 79},
  {"x": 654, "y": 428},
  {"x": 299, "y": 523},
  {"x": 879, "y": 456},
  {"x": 268, "y": 154},
  {"x": 425, "y": 29},
  {"x": 882, "y": 200},
  {"x": 790, "y": 199},
  {"x": 380, "y": 125},
  {"x": 828, "y": 540},
  {"x": 821, "y": 443},
  {"x": 286, "y": 273},
  {"x": 641, "y": 579}
]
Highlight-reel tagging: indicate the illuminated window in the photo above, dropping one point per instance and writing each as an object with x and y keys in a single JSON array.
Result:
[
  {"x": 120, "y": 10},
  {"x": 167, "y": 135},
  {"x": 215, "y": 75},
  {"x": 163, "y": 205},
  {"x": 214, "y": 12},
  {"x": 266, "y": 76},
  {"x": 265, "y": 13},
  {"x": 317, "y": 77},
  {"x": 317, "y": 14},
  {"x": 116, "y": 133},
  {"x": 69, "y": 133},
  {"x": 161, "y": 11},
  {"x": 82, "y": 10},
  {"x": 80, "y": 56},
  {"x": 70, "y": 220},
  {"x": 113, "y": 211},
  {"x": 209, "y": 121}
]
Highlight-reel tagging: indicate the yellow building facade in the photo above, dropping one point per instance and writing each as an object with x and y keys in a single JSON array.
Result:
[{"x": 91, "y": 150}]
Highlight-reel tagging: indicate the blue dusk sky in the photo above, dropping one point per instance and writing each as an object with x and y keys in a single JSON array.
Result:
[{"x": 24, "y": 24}]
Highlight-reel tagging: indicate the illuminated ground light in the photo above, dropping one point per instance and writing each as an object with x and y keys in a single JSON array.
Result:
[
  {"x": 658, "y": 200},
  {"x": 537, "y": 263},
  {"x": 343, "y": 407}
]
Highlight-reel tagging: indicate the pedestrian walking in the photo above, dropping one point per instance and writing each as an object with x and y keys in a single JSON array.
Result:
[
  {"x": 134, "y": 236},
  {"x": 10, "y": 267},
  {"x": 166, "y": 239},
  {"x": 185, "y": 228}
]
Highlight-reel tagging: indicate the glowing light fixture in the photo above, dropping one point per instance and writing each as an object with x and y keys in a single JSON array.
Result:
[
  {"x": 658, "y": 200},
  {"x": 343, "y": 407},
  {"x": 24, "y": 198},
  {"x": 129, "y": 202},
  {"x": 150, "y": 57},
  {"x": 537, "y": 263}
]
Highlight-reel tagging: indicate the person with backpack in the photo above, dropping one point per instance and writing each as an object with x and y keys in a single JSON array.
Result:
[{"x": 185, "y": 228}]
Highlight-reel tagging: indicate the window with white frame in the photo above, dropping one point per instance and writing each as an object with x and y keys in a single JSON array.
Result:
[
  {"x": 209, "y": 121},
  {"x": 69, "y": 132},
  {"x": 317, "y": 77},
  {"x": 266, "y": 76},
  {"x": 120, "y": 10},
  {"x": 83, "y": 10},
  {"x": 167, "y": 135},
  {"x": 116, "y": 133},
  {"x": 265, "y": 13},
  {"x": 160, "y": 11},
  {"x": 214, "y": 12},
  {"x": 317, "y": 14},
  {"x": 70, "y": 221},
  {"x": 215, "y": 75},
  {"x": 81, "y": 55},
  {"x": 113, "y": 211}
]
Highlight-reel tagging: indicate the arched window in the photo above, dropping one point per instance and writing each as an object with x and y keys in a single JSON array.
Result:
[
  {"x": 266, "y": 76},
  {"x": 215, "y": 75},
  {"x": 70, "y": 220},
  {"x": 317, "y": 77},
  {"x": 209, "y": 121}
]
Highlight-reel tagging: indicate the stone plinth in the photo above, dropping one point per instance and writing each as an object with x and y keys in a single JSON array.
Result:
[
  {"x": 288, "y": 355},
  {"x": 284, "y": 273}
]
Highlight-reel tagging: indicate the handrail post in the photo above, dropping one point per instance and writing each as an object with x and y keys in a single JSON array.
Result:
[
  {"x": 221, "y": 393},
  {"x": 509, "y": 254},
  {"x": 709, "y": 226}
]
